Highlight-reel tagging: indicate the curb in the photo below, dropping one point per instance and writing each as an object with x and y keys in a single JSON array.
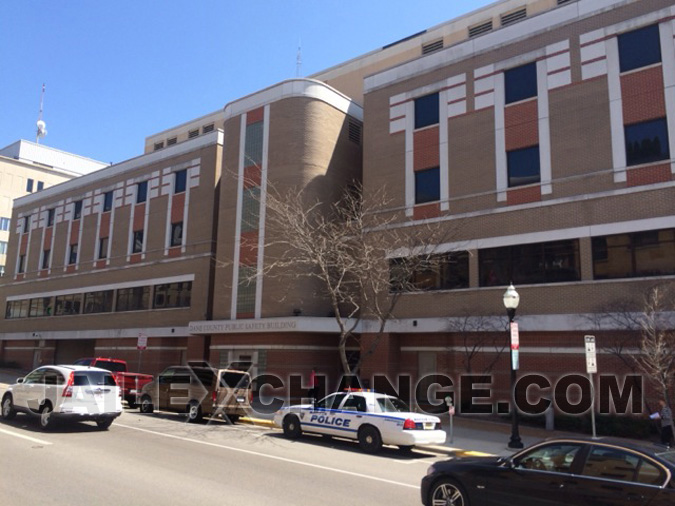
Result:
[{"x": 257, "y": 421}]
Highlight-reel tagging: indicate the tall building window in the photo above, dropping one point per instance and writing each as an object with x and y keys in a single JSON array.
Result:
[
  {"x": 520, "y": 83},
  {"x": 133, "y": 299},
  {"x": 427, "y": 185},
  {"x": 68, "y": 304},
  {"x": 647, "y": 142},
  {"x": 250, "y": 209},
  {"x": 107, "y": 201},
  {"x": 638, "y": 254},
  {"x": 3, "y": 247},
  {"x": 141, "y": 192},
  {"x": 29, "y": 185},
  {"x": 426, "y": 110},
  {"x": 77, "y": 210},
  {"x": 103, "y": 248},
  {"x": 40, "y": 186},
  {"x": 45, "y": 258},
  {"x": 22, "y": 264},
  {"x": 26, "y": 224},
  {"x": 176, "y": 234},
  {"x": 17, "y": 309},
  {"x": 253, "y": 146},
  {"x": 50, "y": 217},
  {"x": 173, "y": 295},
  {"x": 180, "y": 180},
  {"x": 546, "y": 262},
  {"x": 523, "y": 166},
  {"x": 639, "y": 48},
  {"x": 246, "y": 289},
  {"x": 72, "y": 254},
  {"x": 137, "y": 245},
  {"x": 42, "y": 306},
  {"x": 4, "y": 224}
]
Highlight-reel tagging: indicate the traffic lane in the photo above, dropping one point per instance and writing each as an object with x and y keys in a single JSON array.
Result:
[{"x": 181, "y": 462}]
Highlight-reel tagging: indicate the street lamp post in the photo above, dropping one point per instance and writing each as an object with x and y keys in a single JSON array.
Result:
[{"x": 511, "y": 300}]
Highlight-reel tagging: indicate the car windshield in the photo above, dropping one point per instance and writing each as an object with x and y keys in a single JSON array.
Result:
[
  {"x": 93, "y": 378},
  {"x": 84, "y": 361},
  {"x": 392, "y": 405},
  {"x": 235, "y": 380}
]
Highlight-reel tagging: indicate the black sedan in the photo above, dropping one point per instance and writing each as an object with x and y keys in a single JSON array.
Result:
[{"x": 572, "y": 471}]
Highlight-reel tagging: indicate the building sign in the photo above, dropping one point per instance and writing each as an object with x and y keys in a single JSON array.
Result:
[
  {"x": 591, "y": 362},
  {"x": 142, "y": 341},
  {"x": 515, "y": 346},
  {"x": 229, "y": 327}
]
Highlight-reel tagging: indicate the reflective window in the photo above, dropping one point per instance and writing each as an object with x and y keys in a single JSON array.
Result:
[
  {"x": 557, "y": 457},
  {"x": 639, "y": 48},
  {"x": 173, "y": 295},
  {"x": 137, "y": 244},
  {"x": 107, "y": 201},
  {"x": 180, "y": 179},
  {"x": 42, "y": 306},
  {"x": 439, "y": 272},
  {"x": 103, "y": 248},
  {"x": 68, "y": 304},
  {"x": 253, "y": 145},
  {"x": 46, "y": 254},
  {"x": 133, "y": 299},
  {"x": 520, "y": 83},
  {"x": 4, "y": 224},
  {"x": 250, "y": 209},
  {"x": 638, "y": 254},
  {"x": 22, "y": 264},
  {"x": 523, "y": 166},
  {"x": 548, "y": 262},
  {"x": 29, "y": 185},
  {"x": 77, "y": 210},
  {"x": 50, "y": 217},
  {"x": 3, "y": 247},
  {"x": 426, "y": 110},
  {"x": 427, "y": 185},
  {"x": 98, "y": 302},
  {"x": 177, "y": 234},
  {"x": 611, "y": 464},
  {"x": 141, "y": 192},
  {"x": 331, "y": 402},
  {"x": 72, "y": 254},
  {"x": 647, "y": 142},
  {"x": 17, "y": 309}
]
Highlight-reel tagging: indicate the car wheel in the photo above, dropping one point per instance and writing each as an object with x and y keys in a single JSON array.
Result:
[
  {"x": 292, "y": 429},
  {"x": 146, "y": 404},
  {"x": 46, "y": 418},
  {"x": 104, "y": 424},
  {"x": 8, "y": 411},
  {"x": 194, "y": 411},
  {"x": 448, "y": 492},
  {"x": 370, "y": 440}
]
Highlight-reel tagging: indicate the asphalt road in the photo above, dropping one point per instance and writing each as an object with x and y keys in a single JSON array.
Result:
[{"x": 160, "y": 459}]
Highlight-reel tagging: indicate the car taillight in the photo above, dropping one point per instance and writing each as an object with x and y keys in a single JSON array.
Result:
[
  {"x": 214, "y": 396},
  {"x": 250, "y": 396},
  {"x": 68, "y": 391},
  {"x": 409, "y": 424}
]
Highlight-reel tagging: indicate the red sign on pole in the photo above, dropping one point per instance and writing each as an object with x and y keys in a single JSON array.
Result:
[
  {"x": 142, "y": 341},
  {"x": 515, "y": 340}
]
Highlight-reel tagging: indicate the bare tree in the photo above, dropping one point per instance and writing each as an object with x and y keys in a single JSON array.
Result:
[
  {"x": 477, "y": 334},
  {"x": 344, "y": 246}
]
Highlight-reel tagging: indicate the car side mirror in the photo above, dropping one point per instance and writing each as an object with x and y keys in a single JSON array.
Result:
[{"x": 19, "y": 380}]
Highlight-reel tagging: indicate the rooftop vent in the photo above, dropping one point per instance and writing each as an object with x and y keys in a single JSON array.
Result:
[
  {"x": 560, "y": 2},
  {"x": 171, "y": 142},
  {"x": 514, "y": 17},
  {"x": 193, "y": 133},
  {"x": 207, "y": 128},
  {"x": 432, "y": 46},
  {"x": 354, "y": 131},
  {"x": 475, "y": 31},
  {"x": 159, "y": 145}
]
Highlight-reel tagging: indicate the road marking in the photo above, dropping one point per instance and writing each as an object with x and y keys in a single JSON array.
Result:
[
  {"x": 272, "y": 457},
  {"x": 34, "y": 440}
]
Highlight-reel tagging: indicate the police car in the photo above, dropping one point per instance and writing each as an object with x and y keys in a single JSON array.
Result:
[{"x": 371, "y": 418}]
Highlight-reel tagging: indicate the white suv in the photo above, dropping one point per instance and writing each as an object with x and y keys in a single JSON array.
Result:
[{"x": 69, "y": 392}]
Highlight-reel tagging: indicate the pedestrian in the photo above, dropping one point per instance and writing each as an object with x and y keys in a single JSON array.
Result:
[
  {"x": 665, "y": 414},
  {"x": 313, "y": 390}
]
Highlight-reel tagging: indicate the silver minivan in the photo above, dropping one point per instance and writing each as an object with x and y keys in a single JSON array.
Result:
[{"x": 66, "y": 392}]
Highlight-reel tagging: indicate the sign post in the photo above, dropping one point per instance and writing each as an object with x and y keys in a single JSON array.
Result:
[
  {"x": 591, "y": 368},
  {"x": 451, "y": 412}
]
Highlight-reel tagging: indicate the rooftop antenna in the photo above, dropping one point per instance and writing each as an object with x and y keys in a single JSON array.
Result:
[
  {"x": 298, "y": 60},
  {"x": 41, "y": 126}
]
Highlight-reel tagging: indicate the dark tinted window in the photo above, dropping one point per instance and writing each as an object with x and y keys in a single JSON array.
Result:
[
  {"x": 426, "y": 110},
  {"x": 523, "y": 166},
  {"x": 331, "y": 402},
  {"x": 85, "y": 378},
  {"x": 133, "y": 299},
  {"x": 110, "y": 365},
  {"x": 141, "y": 192},
  {"x": 179, "y": 182},
  {"x": 176, "y": 234},
  {"x": 647, "y": 142},
  {"x": 77, "y": 210},
  {"x": 107, "y": 201},
  {"x": 520, "y": 83},
  {"x": 549, "y": 262},
  {"x": 84, "y": 361},
  {"x": 639, "y": 48},
  {"x": 611, "y": 464},
  {"x": 137, "y": 245},
  {"x": 235, "y": 380},
  {"x": 53, "y": 377},
  {"x": 50, "y": 217},
  {"x": 650, "y": 474},
  {"x": 427, "y": 185},
  {"x": 440, "y": 272},
  {"x": 72, "y": 255},
  {"x": 556, "y": 457},
  {"x": 98, "y": 302}
]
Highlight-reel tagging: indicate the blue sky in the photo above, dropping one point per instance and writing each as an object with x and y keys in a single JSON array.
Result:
[{"x": 117, "y": 71}]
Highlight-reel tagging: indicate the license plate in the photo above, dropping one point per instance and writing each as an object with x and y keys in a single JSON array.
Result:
[
  {"x": 240, "y": 399},
  {"x": 429, "y": 425}
]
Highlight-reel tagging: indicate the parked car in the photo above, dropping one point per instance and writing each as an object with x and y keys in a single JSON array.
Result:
[
  {"x": 554, "y": 472},
  {"x": 131, "y": 383},
  {"x": 371, "y": 418},
  {"x": 199, "y": 392},
  {"x": 67, "y": 392}
]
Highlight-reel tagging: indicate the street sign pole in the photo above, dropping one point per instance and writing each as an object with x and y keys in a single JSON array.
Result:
[
  {"x": 591, "y": 368},
  {"x": 451, "y": 412}
]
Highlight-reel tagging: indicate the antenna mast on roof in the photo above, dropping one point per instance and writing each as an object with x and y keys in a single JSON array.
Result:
[
  {"x": 41, "y": 126},
  {"x": 298, "y": 59}
]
